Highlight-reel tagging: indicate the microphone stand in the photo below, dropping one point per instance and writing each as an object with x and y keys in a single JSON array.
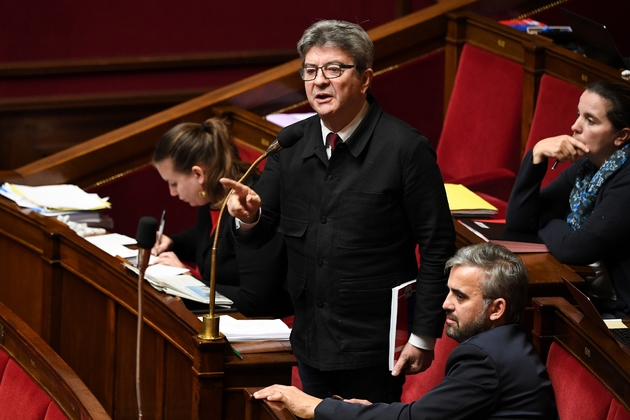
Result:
[
  {"x": 141, "y": 272},
  {"x": 211, "y": 320},
  {"x": 145, "y": 239}
]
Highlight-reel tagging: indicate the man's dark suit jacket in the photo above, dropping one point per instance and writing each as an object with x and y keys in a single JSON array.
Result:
[
  {"x": 496, "y": 374},
  {"x": 351, "y": 226}
]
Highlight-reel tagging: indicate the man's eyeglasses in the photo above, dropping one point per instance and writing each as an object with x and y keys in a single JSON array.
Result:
[{"x": 330, "y": 71}]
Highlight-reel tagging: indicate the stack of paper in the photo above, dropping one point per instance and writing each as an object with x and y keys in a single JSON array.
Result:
[
  {"x": 236, "y": 330},
  {"x": 53, "y": 200},
  {"x": 464, "y": 202}
]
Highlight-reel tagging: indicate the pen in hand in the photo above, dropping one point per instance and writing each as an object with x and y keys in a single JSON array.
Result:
[
  {"x": 161, "y": 228},
  {"x": 557, "y": 161}
]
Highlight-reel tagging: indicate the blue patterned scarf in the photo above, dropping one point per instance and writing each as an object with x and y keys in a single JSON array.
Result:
[{"x": 588, "y": 182}]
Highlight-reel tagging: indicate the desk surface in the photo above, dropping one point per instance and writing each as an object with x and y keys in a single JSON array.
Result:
[{"x": 543, "y": 268}]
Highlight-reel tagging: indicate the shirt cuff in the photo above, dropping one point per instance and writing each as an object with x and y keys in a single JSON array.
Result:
[
  {"x": 422, "y": 342},
  {"x": 246, "y": 227}
]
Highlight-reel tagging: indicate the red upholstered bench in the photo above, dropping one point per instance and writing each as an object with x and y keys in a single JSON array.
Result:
[
  {"x": 480, "y": 142},
  {"x": 35, "y": 384},
  {"x": 21, "y": 397},
  {"x": 579, "y": 394},
  {"x": 417, "y": 385}
]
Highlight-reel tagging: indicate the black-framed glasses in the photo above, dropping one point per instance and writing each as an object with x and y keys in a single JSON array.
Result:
[{"x": 330, "y": 71}]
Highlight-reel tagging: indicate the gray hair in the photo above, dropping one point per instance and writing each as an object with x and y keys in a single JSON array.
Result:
[
  {"x": 346, "y": 36},
  {"x": 505, "y": 275}
]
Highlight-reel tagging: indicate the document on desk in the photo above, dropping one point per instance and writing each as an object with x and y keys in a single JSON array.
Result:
[
  {"x": 54, "y": 197},
  {"x": 238, "y": 330},
  {"x": 173, "y": 281},
  {"x": 114, "y": 244},
  {"x": 464, "y": 202}
]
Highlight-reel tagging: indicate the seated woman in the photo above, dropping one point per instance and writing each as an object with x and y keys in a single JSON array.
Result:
[
  {"x": 192, "y": 158},
  {"x": 582, "y": 216}
]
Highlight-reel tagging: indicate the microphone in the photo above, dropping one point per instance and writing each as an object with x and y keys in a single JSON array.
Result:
[
  {"x": 287, "y": 137},
  {"x": 145, "y": 237}
]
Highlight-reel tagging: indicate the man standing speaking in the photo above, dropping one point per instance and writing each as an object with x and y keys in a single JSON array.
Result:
[{"x": 353, "y": 197}]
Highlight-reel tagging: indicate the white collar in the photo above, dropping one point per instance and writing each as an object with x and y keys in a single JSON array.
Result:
[{"x": 349, "y": 129}]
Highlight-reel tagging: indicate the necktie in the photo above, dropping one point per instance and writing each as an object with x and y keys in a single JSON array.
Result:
[{"x": 333, "y": 139}]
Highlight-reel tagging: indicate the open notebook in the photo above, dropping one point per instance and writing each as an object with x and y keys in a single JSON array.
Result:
[{"x": 621, "y": 335}]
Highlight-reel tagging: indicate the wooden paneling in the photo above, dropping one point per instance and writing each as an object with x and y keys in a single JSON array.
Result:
[
  {"x": 35, "y": 127},
  {"x": 90, "y": 319},
  {"x": 148, "y": 64},
  {"x": 131, "y": 146}
]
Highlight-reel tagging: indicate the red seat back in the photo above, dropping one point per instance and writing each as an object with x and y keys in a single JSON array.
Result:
[
  {"x": 482, "y": 126},
  {"x": 579, "y": 394},
  {"x": 20, "y": 397},
  {"x": 417, "y": 385},
  {"x": 555, "y": 112}
]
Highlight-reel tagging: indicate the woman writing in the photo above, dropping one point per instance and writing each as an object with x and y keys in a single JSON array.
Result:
[
  {"x": 192, "y": 158},
  {"x": 582, "y": 215}
]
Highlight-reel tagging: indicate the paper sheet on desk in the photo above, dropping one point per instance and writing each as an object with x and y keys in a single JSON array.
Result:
[
  {"x": 58, "y": 197},
  {"x": 114, "y": 244},
  {"x": 236, "y": 330},
  {"x": 284, "y": 120},
  {"x": 7, "y": 191},
  {"x": 169, "y": 280},
  {"x": 157, "y": 270},
  {"x": 614, "y": 324}
]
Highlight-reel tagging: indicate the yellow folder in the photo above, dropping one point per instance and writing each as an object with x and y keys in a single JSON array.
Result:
[{"x": 463, "y": 201}]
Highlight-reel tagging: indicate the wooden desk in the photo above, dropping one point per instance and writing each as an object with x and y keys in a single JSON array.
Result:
[
  {"x": 545, "y": 271},
  {"x": 83, "y": 303},
  {"x": 543, "y": 268}
]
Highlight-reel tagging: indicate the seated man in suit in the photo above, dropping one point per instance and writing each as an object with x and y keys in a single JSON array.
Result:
[{"x": 494, "y": 373}]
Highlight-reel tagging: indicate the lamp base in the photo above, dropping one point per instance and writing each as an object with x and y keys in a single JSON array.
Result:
[{"x": 210, "y": 328}]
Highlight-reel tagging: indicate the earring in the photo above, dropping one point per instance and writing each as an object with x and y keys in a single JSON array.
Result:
[{"x": 201, "y": 193}]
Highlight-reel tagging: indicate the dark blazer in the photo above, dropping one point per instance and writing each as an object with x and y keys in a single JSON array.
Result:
[
  {"x": 496, "y": 374},
  {"x": 254, "y": 279},
  {"x": 351, "y": 226},
  {"x": 604, "y": 236}
]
